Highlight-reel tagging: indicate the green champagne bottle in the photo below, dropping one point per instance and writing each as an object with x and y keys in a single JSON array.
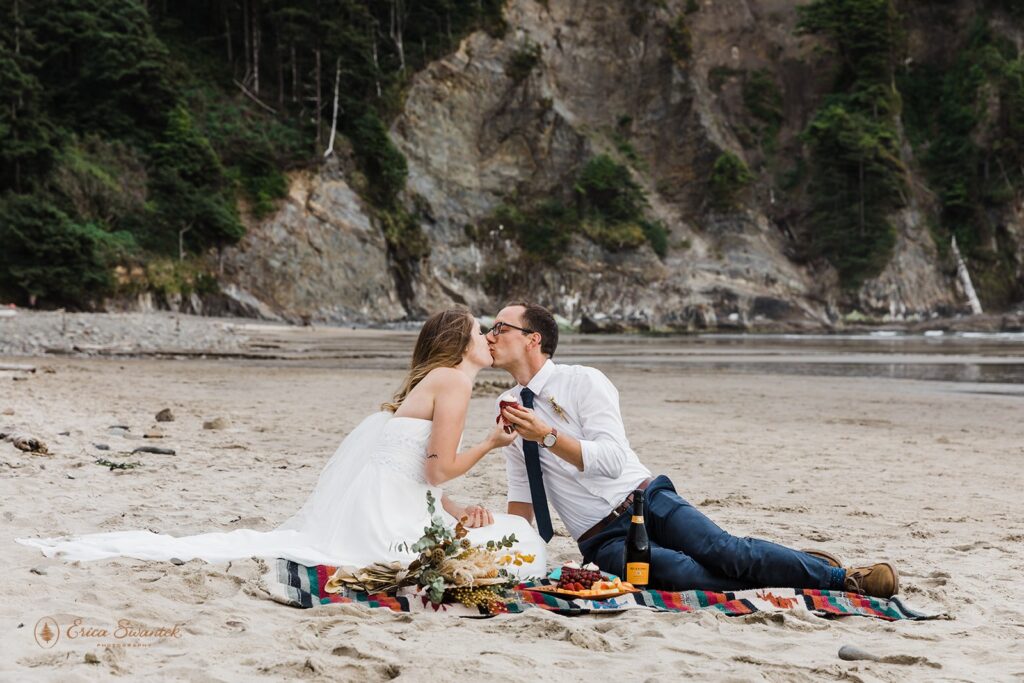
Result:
[{"x": 638, "y": 547}]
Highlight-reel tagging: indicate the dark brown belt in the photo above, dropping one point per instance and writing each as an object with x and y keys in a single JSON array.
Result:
[{"x": 614, "y": 514}]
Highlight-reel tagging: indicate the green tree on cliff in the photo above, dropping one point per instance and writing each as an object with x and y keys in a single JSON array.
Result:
[
  {"x": 857, "y": 177},
  {"x": 194, "y": 204},
  {"x": 47, "y": 258},
  {"x": 27, "y": 140}
]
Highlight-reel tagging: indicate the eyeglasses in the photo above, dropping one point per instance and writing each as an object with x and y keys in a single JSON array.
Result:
[{"x": 499, "y": 327}]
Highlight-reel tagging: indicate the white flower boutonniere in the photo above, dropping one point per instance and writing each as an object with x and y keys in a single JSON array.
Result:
[{"x": 557, "y": 408}]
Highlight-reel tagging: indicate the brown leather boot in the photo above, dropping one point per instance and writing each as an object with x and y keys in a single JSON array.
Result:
[
  {"x": 832, "y": 560},
  {"x": 879, "y": 580}
]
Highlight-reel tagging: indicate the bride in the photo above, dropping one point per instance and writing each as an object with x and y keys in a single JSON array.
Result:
[{"x": 372, "y": 495}]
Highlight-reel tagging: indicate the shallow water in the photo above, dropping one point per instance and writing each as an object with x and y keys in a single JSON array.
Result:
[{"x": 963, "y": 358}]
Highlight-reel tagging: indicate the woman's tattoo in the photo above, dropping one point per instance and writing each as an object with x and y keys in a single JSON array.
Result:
[{"x": 432, "y": 455}]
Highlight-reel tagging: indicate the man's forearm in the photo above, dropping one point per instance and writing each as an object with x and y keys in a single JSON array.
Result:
[
  {"x": 570, "y": 450},
  {"x": 524, "y": 510}
]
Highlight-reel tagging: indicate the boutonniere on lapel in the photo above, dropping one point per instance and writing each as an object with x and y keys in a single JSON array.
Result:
[{"x": 557, "y": 408}]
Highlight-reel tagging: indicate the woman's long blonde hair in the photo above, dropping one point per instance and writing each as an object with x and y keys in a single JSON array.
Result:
[{"x": 443, "y": 340}]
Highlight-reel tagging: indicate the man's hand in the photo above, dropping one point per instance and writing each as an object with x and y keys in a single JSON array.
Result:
[
  {"x": 478, "y": 516},
  {"x": 527, "y": 424}
]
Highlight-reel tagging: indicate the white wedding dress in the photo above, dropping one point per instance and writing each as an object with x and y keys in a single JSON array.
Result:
[{"x": 370, "y": 498}]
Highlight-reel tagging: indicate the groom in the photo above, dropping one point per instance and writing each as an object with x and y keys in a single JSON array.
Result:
[{"x": 574, "y": 455}]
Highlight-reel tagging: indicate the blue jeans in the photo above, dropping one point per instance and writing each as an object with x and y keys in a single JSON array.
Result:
[{"x": 690, "y": 552}]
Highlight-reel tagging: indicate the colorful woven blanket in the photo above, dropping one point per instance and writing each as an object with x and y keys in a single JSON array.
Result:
[{"x": 299, "y": 586}]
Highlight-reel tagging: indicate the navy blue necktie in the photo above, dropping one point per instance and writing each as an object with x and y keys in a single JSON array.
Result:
[{"x": 533, "y": 471}]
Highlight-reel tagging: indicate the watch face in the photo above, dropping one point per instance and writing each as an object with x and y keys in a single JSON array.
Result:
[{"x": 549, "y": 440}]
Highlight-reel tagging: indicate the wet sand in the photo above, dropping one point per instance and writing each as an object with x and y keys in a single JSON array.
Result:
[{"x": 927, "y": 474}]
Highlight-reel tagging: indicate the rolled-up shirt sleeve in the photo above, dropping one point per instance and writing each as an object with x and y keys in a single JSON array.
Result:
[{"x": 604, "y": 444}]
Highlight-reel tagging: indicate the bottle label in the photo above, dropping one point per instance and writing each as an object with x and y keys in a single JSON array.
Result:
[
  {"x": 638, "y": 519},
  {"x": 638, "y": 573}
]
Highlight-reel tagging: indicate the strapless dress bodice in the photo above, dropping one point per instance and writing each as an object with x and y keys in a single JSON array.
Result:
[{"x": 403, "y": 447}]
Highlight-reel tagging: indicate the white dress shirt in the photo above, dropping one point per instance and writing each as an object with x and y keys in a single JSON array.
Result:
[{"x": 590, "y": 413}]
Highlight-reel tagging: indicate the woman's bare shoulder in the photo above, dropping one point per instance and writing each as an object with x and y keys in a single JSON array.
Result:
[{"x": 444, "y": 380}]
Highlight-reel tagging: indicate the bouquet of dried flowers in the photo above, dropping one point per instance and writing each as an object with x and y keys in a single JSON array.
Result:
[{"x": 449, "y": 567}]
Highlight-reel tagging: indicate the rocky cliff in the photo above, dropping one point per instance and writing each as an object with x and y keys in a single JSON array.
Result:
[{"x": 664, "y": 89}]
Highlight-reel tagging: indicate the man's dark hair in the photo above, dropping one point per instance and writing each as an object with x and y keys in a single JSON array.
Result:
[{"x": 539, "y": 319}]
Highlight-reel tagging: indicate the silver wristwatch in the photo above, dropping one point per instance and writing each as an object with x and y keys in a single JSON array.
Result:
[{"x": 551, "y": 438}]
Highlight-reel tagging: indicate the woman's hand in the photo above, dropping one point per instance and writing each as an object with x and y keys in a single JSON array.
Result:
[
  {"x": 477, "y": 516},
  {"x": 499, "y": 438}
]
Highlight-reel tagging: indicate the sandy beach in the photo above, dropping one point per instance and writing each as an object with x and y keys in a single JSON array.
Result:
[{"x": 922, "y": 473}]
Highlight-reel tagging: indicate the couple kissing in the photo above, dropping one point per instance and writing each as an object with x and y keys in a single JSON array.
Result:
[{"x": 561, "y": 433}]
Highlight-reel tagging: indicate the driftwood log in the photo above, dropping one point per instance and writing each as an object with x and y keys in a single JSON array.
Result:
[
  {"x": 153, "y": 449},
  {"x": 17, "y": 367},
  {"x": 27, "y": 443}
]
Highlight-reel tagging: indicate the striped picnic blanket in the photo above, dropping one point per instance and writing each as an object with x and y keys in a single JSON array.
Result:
[{"x": 300, "y": 586}]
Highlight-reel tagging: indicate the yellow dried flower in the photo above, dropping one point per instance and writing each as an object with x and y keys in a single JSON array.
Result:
[{"x": 557, "y": 408}]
